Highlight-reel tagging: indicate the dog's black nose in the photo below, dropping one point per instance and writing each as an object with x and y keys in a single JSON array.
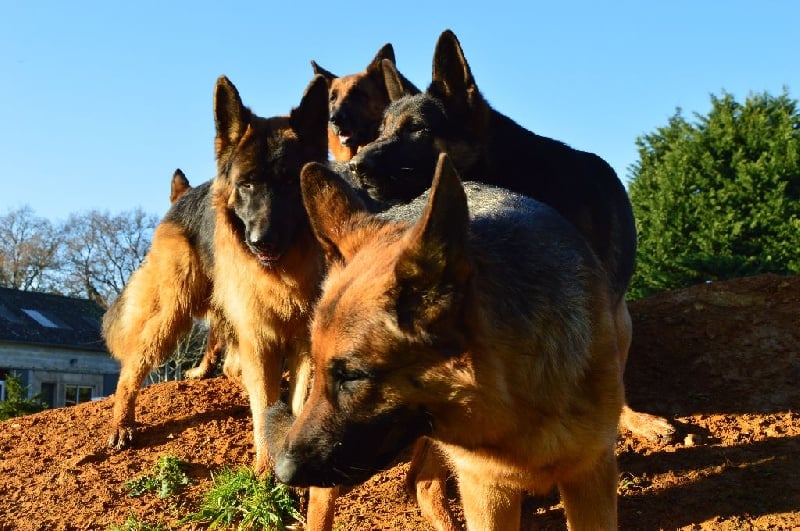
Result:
[
  {"x": 338, "y": 117},
  {"x": 285, "y": 469}
]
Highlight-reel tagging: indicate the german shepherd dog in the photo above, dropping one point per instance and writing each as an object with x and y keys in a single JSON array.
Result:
[
  {"x": 215, "y": 346},
  {"x": 452, "y": 116},
  {"x": 482, "y": 320},
  {"x": 356, "y": 104},
  {"x": 238, "y": 248}
]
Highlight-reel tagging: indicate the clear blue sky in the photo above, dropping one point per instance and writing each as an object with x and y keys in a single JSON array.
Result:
[{"x": 100, "y": 101}]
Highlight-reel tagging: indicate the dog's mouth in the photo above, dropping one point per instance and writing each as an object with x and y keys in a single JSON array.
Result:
[
  {"x": 346, "y": 137},
  {"x": 267, "y": 256}
]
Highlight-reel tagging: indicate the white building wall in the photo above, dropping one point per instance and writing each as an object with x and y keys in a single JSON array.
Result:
[{"x": 60, "y": 367}]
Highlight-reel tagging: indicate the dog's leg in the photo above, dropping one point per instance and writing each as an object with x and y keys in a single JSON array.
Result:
[
  {"x": 300, "y": 368},
  {"x": 260, "y": 376},
  {"x": 427, "y": 482},
  {"x": 232, "y": 367},
  {"x": 321, "y": 508},
  {"x": 489, "y": 507},
  {"x": 590, "y": 498},
  {"x": 651, "y": 427},
  {"x": 144, "y": 325},
  {"x": 211, "y": 356},
  {"x": 132, "y": 374}
]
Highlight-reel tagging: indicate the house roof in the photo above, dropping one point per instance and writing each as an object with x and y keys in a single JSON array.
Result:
[{"x": 43, "y": 318}]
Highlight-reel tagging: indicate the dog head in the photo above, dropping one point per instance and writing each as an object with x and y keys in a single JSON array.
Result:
[
  {"x": 386, "y": 333},
  {"x": 450, "y": 117},
  {"x": 356, "y": 104},
  {"x": 257, "y": 187}
]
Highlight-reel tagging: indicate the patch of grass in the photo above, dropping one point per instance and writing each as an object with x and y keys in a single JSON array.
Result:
[
  {"x": 239, "y": 500},
  {"x": 134, "y": 524},
  {"x": 166, "y": 478}
]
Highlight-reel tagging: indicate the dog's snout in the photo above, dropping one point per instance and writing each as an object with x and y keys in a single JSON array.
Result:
[
  {"x": 263, "y": 243},
  {"x": 259, "y": 235},
  {"x": 338, "y": 116},
  {"x": 285, "y": 468}
]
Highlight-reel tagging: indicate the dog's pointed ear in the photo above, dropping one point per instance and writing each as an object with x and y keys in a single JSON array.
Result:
[
  {"x": 231, "y": 117},
  {"x": 451, "y": 72},
  {"x": 319, "y": 71},
  {"x": 392, "y": 81},
  {"x": 179, "y": 185},
  {"x": 332, "y": 207},
  {"x": 310, "y": 118},
  {"x": 397, "y": 85},
  {"x": 434, "y": 267},
  {"x": 452, "y": 83},
  {"x": 385, "y": 53}
]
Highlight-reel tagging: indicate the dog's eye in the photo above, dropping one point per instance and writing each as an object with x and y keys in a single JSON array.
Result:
[
  {"x": 417, "y": 129},
  {"x": 245, "y": 185},
  {"x": 348, "y": 380},
  {"x": 348, "y": 386}
]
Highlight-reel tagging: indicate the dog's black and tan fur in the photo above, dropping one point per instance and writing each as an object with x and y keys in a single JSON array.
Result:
[
  {"x": 356, "y": 104},
  {"x": 239, "y": 248},
  {"x": 453, "y": 117},
  {"x": 215, "y": 345},
  {"x": 482, "y": 320}
]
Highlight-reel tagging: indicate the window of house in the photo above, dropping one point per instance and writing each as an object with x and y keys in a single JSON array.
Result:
[
  {"x": 8, "y": 315},
  {"x": 77, "y": 394},
  {"x": 49, "y": 393},
  {"x": 3, "y": 373},
  {"x": 40, "y": 318}
]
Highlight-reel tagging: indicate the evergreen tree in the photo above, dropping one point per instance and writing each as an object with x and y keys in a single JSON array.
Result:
[
  {"x": 718, "y": 198},
  {"x": 17, "y": 403}
]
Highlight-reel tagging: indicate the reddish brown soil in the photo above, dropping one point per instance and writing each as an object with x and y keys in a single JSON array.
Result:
[{"x": 720, "y": 360}]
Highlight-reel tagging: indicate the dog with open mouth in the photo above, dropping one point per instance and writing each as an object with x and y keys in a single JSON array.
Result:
[{"x": 356, "y": 103}]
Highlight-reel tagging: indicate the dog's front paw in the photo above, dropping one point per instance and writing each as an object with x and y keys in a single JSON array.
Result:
[
  {"x": 262, "y": 466},
  {"x": 121, "y": 437},
  {"x": 198, "y": 373}
]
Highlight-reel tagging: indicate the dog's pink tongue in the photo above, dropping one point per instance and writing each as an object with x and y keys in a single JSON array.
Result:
[{"x": 268, "y": 257}]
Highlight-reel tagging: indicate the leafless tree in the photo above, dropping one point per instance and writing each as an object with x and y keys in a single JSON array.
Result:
[
  {"x": 29, "y": 251},
  {"x": 101, "y": 252}
]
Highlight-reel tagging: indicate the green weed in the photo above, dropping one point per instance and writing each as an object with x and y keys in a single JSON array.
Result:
[
  {"x": 240, "y": 500},
  {"x": 166, "y": 478},
  {"x": 134, "y": 524}
]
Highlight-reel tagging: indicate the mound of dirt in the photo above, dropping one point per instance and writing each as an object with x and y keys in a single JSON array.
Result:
[{"x": 720, "y": 360}]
